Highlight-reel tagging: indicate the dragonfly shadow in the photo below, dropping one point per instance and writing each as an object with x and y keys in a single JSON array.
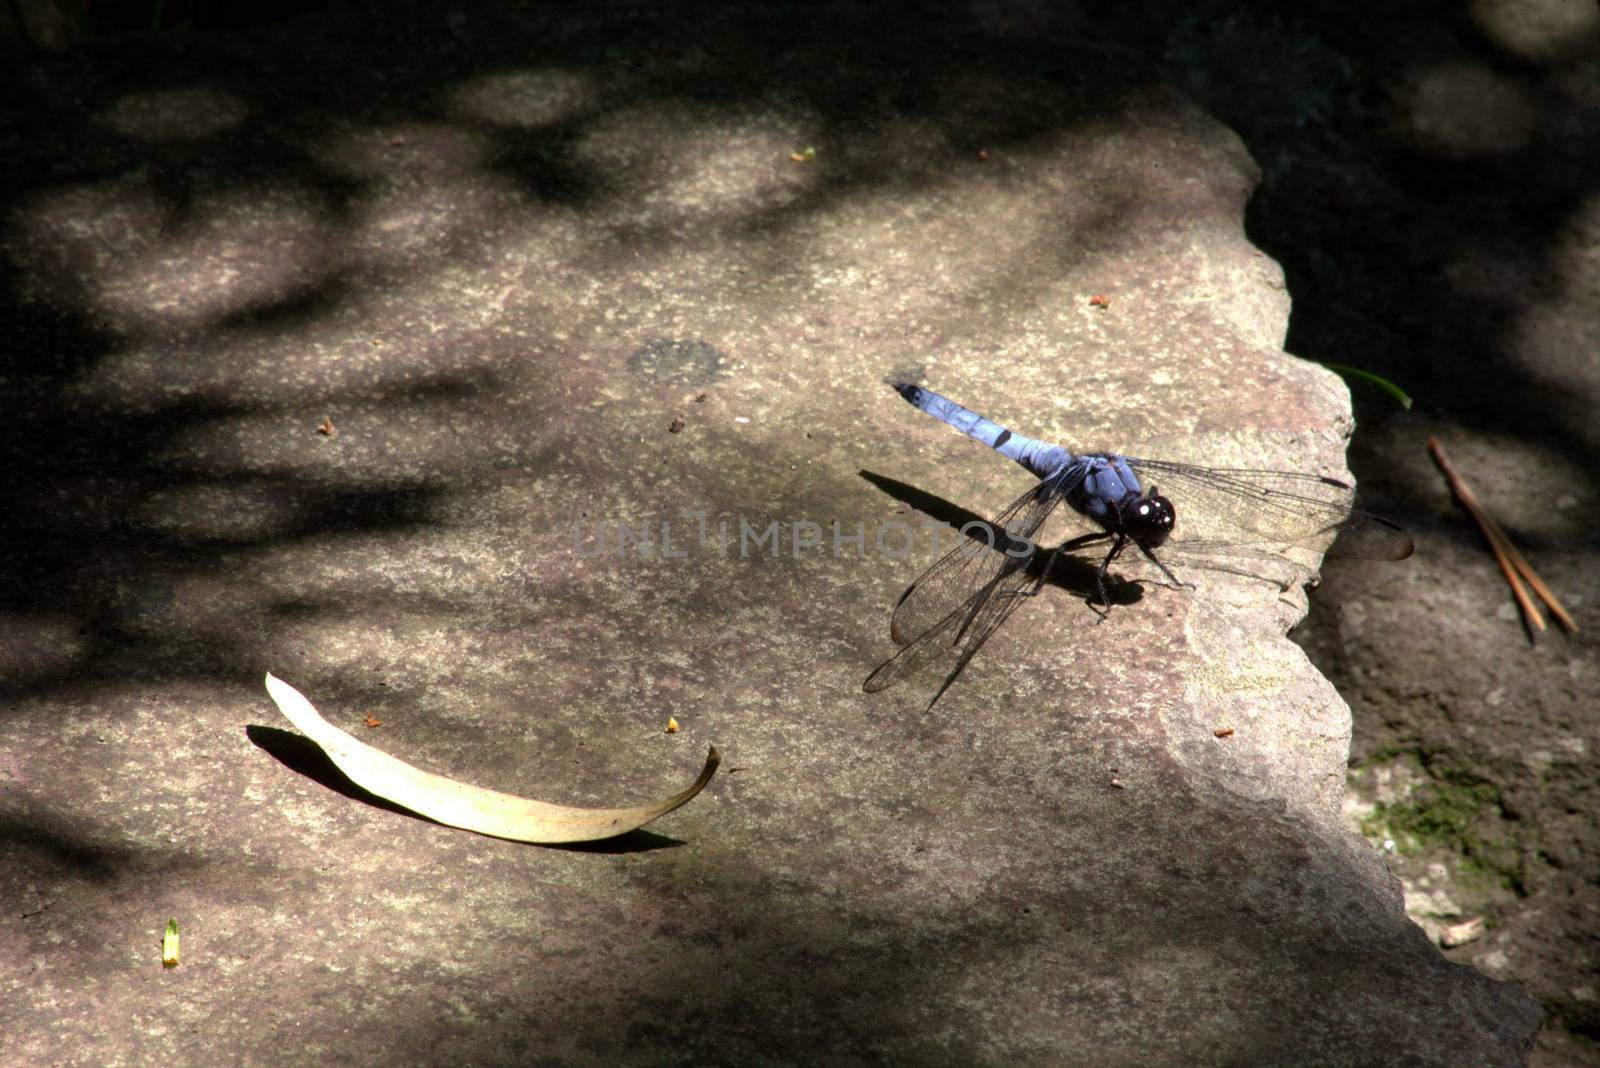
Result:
[
  {"x": 1077, "y": 574},
  {"x": 1072, "y": 572}
]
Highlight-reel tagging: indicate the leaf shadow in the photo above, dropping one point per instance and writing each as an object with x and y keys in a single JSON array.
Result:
[{"x": 304, "y": 757}]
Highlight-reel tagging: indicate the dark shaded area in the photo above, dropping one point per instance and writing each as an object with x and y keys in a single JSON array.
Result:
[
  {"x": 110, "y": 16},
  {"x": 43, "y": 843}
]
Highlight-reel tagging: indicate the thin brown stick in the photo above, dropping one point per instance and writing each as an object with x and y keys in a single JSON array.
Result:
[
  {"x": 1506, "y": 555},
  {"x": 1539, "y": 587},
  {"x": 1498, "y": 542}
]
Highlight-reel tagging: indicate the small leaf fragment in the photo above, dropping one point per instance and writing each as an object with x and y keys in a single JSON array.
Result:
[
  {"x": 1223, "y": 732},
  {"x": 169, "y": 945},
  {"x": 806, "y": 155},
  {"x": 672, "y": 725},
  {"x": 327, "y": 429},
  {"x": 459, "y": 804},
  {"x": 373, "y": 721}
]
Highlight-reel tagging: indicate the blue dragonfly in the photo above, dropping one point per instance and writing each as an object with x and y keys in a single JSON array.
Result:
[{"x": 961, "y": 600}]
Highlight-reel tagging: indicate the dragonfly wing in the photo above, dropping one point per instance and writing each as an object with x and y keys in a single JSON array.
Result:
[
  {"x": 935, "y": 642},
  {"x": 969, "y": 626},
  {"x": 1007, "y": 593},
  {"x": 1365, "y": 536},
  {"x": 973, "y": 566},
  {"x": 1222, "y": 507}
]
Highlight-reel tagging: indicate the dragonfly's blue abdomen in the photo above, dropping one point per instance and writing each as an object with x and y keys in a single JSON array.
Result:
[
  {"x": 1038, "y": 457},
  {"x": 1096, "y": 484}
]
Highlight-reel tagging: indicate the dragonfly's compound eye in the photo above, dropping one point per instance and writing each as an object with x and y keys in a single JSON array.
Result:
[{"x": 1152, "y": 520}]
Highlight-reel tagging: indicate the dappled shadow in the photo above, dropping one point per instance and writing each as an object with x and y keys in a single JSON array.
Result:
[
  {"x": 222, "y": 266},
  {"x": 1383, "y": 198},
  {"x": 44, "y": 844},
  {"x": 226, "y": 295},
  {"x": 172, "y": 513}
]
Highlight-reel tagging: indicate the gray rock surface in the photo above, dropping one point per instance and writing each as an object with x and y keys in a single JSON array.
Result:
[{"x": 540, "y": 267}]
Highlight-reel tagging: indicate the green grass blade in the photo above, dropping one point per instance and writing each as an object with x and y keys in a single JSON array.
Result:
[{"x": 1347, "y": 372}]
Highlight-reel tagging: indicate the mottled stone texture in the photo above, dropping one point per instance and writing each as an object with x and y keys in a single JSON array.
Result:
[{"x": 547, "y": 265}]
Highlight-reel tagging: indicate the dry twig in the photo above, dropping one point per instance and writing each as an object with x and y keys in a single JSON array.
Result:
[{"x": 1512, "y": 565}]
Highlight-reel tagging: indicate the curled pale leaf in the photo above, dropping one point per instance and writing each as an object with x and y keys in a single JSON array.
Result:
[
  {"x": 169, "y": 945},
  {"x": 463, "y": 805}
]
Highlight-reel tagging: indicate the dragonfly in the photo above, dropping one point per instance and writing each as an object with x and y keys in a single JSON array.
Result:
[{"x": 1195, "y": 513}]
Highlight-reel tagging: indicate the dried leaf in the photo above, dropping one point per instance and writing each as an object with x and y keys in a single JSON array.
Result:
[
  {"x": 459, "y": 804},
  {"x": 672, "y": 725},
  {"x": 1223, "y": 732},
  {"x": 373, "y": 721},
  {"x": 327, "y": 429},
  {"x": 169, "y": 945}
]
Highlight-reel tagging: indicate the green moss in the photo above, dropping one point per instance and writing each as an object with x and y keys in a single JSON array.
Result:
[{"x": 1460, "y": 813}]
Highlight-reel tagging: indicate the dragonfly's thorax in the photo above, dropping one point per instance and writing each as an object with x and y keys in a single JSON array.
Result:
[
  {"x": 1103, "y": 487},
  {"x": 1100, "y": 485}
]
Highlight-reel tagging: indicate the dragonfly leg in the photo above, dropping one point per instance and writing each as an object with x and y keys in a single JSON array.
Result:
[
  {"x": 1045, "y": 577},
  {"x": 1177, "y": 585},
  {"x": 1100, "y": 575}
]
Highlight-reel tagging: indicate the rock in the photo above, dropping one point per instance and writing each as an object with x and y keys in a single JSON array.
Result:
[{"x": 501, "y": 274}]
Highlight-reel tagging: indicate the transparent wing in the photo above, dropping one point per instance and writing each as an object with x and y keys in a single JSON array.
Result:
[
  {"x": 969, "y": 625},
  {"x": 935, "y": 642},
  {"x": 971, "y": 567},
  {"x": 1220, "y": 507}
]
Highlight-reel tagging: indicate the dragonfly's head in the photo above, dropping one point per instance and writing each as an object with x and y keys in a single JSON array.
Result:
[{"x": 1149, "y": 520}]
